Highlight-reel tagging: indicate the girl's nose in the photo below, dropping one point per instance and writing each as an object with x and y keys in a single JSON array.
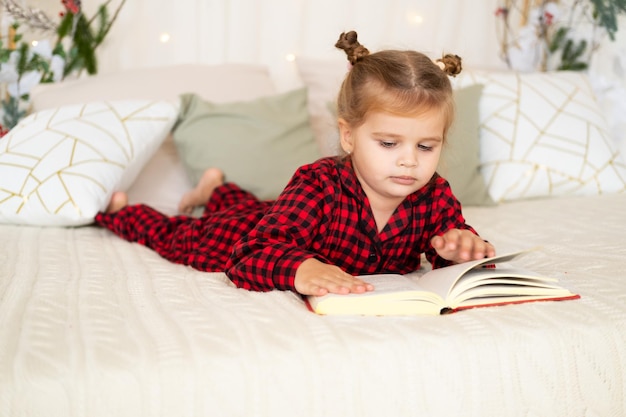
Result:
[{"x": 408, "y": 159}]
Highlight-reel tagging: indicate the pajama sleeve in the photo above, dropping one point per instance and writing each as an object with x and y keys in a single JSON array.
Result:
[
  {"x": 447, "y": 214},
  {"x": 269, "y": 256}
]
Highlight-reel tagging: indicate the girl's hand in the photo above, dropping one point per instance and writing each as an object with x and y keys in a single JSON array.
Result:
[
  {"x": 317, "y": 278},
  {"x": 459, "y": 245}
]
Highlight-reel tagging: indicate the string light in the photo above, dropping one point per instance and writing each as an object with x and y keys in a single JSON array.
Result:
[
  {"x": 290, "y": 57},
  {"x": 164, "y": 37},
  {"x": 415, "y": 18}
]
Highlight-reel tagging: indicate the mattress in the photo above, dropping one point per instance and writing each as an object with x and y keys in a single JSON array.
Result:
[{"x": 91, "y": 325}]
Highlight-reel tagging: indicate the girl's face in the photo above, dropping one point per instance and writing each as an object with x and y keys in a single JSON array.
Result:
[{"x": 394, "y": 156}]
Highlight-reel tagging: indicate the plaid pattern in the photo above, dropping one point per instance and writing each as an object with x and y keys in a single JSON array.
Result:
[
  {"x": 204, "y": 243},
  {"x": 323, "y": 213}
]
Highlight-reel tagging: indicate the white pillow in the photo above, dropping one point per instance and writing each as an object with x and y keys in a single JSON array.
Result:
[
  {"x": 59, "y": 167},
  {"x": 543, "y": 134},
  {"x": 163, "y": 181}
]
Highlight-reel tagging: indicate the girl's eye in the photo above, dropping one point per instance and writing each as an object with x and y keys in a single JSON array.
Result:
[
  {"x": 386, "y": 144},
  {"x": 424, "y": 148}
]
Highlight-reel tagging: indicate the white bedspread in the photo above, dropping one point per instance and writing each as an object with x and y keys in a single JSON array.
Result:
[{"x": 91, "y": 325}]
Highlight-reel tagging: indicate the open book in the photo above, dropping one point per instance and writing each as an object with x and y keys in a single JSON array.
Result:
[{"x": 485, "y": 282}]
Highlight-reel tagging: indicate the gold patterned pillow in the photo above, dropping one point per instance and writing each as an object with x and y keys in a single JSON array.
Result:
[
  {"x": 543, "y": 134},
  {"x": 59, "y": 167}
]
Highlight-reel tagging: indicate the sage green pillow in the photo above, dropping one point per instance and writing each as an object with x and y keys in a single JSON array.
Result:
[
  {"x": 460, "y": 159},
  {"x": 258, "y": 144}
]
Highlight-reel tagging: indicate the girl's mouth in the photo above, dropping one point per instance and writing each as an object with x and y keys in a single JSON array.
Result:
[{"x": 404, "y": 180}]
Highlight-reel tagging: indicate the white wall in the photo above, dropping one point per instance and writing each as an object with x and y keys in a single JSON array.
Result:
[{"x": 266, "y": 31}]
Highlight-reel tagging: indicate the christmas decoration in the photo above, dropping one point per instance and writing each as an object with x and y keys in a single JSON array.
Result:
[
  {"x": 555, "y": 35},
  {"x": 24, "y": 65}
]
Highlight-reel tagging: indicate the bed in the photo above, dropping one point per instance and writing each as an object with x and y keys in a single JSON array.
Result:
[{"x": 91, "y": 325}]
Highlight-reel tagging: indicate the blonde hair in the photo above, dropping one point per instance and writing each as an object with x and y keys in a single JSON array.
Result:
[{"x": 394, "y": 81}]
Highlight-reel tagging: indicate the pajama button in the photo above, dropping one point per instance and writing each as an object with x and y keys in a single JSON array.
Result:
[{"x": 372, "y": 258}]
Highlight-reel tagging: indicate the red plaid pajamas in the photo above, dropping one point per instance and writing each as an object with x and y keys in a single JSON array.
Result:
[
  {"x": 322, "y": 213},
  {"x": 204, "y": 243}
]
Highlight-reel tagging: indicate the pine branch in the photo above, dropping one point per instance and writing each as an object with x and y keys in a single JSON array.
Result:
[
  {"x": 108, "y": 27},
  {"x": 82, "y": 53},
  {"x": 65, "y": 27},
  {"x": 606, "y": 12},
  {"x": 11, "y": 112}
]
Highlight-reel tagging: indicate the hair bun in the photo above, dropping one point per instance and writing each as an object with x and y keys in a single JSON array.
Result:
[
  {"x": 451, "y": 64},
  {"x": 350, "y": 45}
]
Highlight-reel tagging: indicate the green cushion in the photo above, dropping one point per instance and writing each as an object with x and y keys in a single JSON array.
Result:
[
  {"x": 258, "y": 144},
  {"x": 460, "y": 159}
]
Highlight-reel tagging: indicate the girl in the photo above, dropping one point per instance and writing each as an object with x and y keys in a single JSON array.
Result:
[{"x": 375, "y": 209}]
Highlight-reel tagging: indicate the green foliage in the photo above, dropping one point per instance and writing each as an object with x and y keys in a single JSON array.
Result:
[
  {"x": 65, "y": 26},
  {"x": 22, "y": 60},
  {"x": 572, "y": 52},
  {"x": 77, "y": 39},
  {"x": 605, "y": 13},
  {"x": 572, "y": 56},
  {"x": 86, "y": 36},
  {"x": 11, "y": 112},
  {"x": 103, "y": 19},
  {"x": 565, "y": 41},
  {"x": 558, "y": 39},
  {"x": 82, "y": 54}
]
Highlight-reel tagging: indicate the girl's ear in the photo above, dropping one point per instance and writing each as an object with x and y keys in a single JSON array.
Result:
[{"x": 345, "y": 136}]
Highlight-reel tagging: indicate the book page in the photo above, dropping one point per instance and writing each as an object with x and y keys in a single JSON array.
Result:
[
  {"x": 471, "y": 284},
  {"x": 384, "y": 286},
  {"x": 386, "y": 283},
  {"x": 442, "y": 280},
  {"x": 462, "y": 286},
  {"x": 504, "y": 274},
  {"x": 392, "y": 295}
]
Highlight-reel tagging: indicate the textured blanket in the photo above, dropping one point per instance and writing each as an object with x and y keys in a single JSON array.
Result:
[{"x": 91, "y": 325}]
